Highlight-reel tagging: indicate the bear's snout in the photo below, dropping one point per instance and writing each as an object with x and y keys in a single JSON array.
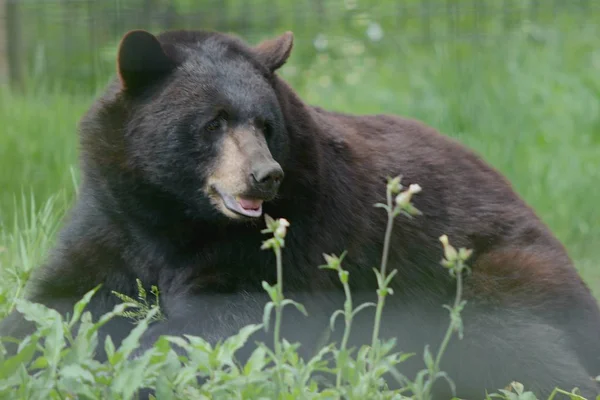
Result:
[{"x": 266, "y": 177}]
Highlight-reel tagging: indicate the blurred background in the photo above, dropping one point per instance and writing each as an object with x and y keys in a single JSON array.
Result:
[{"x": 518, "y": 81}]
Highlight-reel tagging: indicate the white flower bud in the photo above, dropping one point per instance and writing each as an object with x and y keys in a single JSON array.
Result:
[
  {"x": 449, "y": 252},
  {"x": 281, "y": 228},
  {"x": 404, "y": 198},
  {"x": 414, "y": 188},
  {"x": 394, "y": 185}
]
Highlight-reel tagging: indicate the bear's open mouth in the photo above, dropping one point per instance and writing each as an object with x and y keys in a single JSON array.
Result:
[{"x": 247, "y": 207}]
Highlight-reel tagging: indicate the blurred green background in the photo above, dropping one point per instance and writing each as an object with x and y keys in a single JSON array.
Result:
[{"x": 518, "y": 81}]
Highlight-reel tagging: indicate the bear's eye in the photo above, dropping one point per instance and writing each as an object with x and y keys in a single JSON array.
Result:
[
  {"x": 267, "y": 129},
  {"x": 215, "y": 124}
]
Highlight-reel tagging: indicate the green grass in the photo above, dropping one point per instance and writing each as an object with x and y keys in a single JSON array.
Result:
[{"x": 38, "y": 146}]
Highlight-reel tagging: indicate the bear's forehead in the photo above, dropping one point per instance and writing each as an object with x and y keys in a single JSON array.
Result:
[
  {"x": 216, "y": 68},
  {"x": 210, "y": 46},
  {"x": 214, "y": 58},
  {"x": 212, "y": 53},
  {"x": 232, "y": 77}
]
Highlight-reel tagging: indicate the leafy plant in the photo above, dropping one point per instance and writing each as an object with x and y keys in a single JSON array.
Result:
[{"x": 143, "y": 308}]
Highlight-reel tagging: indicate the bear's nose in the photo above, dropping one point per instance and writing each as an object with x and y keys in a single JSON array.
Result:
[{"x": 267, "y": 176}]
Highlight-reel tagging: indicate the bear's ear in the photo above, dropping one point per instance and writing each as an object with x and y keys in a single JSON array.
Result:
[
  {"x": 273, "y": 53},
  {"x": 141, "y": 60}
]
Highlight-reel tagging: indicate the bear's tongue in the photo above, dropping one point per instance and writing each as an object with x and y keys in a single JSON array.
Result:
[
  {"x": 249, "y": 204},
  {"x": 243, "y": 205}
]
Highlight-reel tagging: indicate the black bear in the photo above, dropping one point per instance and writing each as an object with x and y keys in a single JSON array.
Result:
[{"x": 197, "y": 138}]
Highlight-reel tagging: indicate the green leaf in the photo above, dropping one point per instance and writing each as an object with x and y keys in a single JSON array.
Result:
[
  {"x": 405, "y": 356},
  {"x": 129, "y": 380},
  {"x": 448, "y": 379},
  {"x": 333, "y": 318},
  {"x": 386, "y": 346},
  {"x": 109, "y": 347},
  {"x": 81, "y": 304},
  {"x": 381, "y": 205},
  {"x": 25, "y": 354},
  {"x": 181, "y": 342},
  {"x": 298, "y": 306},
  {"x": 427, "y": 357},
  {"x": 141, "y": 290},
  {"x": 163, "y": 388},
  {"x": 343, "y": 255},
  {"x": 39, "y": 363},
  {"x": 131, "y": 342},
  {"x": 199, "y": 353},
  {"x": 379, "y": 277},
  {"x": 37, "y": 313},
  {"x": 269, "y": 222},
  {"x": 117, "y": 311},
  {"x": 362, "y": 307},
  {"x": 267, "y": 315},
  {"x": 84, "y": 342},
  {"x": 54, "y": 342},
  {"x": 236, "y": 342},
  {"x": 77, "y": 373},
  {"x": 389, "y": 278},
  {"x": 8, "y": 385},
  {"x": 271, "y": 290},
  {"x": 256, "y": 362}
]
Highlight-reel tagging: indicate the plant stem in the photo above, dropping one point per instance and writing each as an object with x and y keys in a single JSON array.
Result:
[
  {"x": 451, "y": 327},
  {"x": 15, "y": 297},
  {"x": 378, "y": 312},
  {"x": 388, "y": 234},
  {"x": 278, "y": 307},
  {"x": 348, "y": 315},
  {"x": 383, "y": 266},
  {"x": 278, "y": 314}
]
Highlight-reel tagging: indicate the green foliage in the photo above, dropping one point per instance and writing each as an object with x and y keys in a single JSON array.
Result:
[
  {"x": 143, "y": 308},
  {"x": 23, "y": 247}
]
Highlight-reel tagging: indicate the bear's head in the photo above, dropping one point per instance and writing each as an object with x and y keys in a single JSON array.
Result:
[{"x": 204, "y": 124}]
